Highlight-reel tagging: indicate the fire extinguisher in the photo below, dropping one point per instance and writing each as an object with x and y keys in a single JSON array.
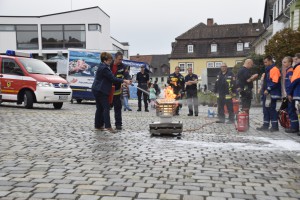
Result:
[
  {"x": 242, "y": 122},
  {"x": 111, "y": 95}
]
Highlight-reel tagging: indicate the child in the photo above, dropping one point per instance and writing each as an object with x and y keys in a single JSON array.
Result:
[
  {"x": 125, "y": 91},
  {"x": 152, "y": 95}
]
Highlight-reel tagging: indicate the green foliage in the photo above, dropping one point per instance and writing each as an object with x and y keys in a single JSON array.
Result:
[
  {"x": 208, "y": 98},
  {"x": 258, "y": 67},
  {"x": 284, "y": 43}
]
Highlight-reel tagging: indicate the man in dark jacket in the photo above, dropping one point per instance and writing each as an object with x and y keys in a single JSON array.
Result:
[
  {"x": 142, "y": 78},
  {"x": 176, "y": 81},
  {"x": 120, "y": 71},
  {"x": 224, "y": 88},
  {"x": 245, "y": 84},
  {"x": 191, "y": 81}
]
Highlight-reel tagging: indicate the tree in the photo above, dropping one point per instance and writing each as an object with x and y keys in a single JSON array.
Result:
[{"x": 284, "y": 43}]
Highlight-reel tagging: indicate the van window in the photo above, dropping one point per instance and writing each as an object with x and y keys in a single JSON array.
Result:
[
  {"x": 9, "y": 66},
  {"x": 34, "y": 66}
]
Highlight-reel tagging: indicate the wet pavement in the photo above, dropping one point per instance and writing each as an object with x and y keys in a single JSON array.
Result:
[{"x": 56, "y": 154}]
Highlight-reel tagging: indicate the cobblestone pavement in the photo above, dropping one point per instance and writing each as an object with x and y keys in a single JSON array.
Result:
[{"x": 56, "y": 154}]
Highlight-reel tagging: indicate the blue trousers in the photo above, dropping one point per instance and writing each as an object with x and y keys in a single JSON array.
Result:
[
  {"x": 270, "y": 114},
  {"x": 102, "y": 115},
  {"x": 293, "y": 115},
  {"x": 125, "y": 100},
  {"x": 117, "y": 103}
]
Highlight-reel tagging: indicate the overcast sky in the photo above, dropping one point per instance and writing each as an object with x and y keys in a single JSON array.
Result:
[{"x": 150, "y": 26}]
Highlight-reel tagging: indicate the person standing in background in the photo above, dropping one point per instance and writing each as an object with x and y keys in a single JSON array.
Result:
[
  {"x": 143, "y": 79},
  {"x": 176, "y": 81},
  {"x": 271, "y": 93},
  {"x": 224, "y": 88},
  {"x": 245, "y": 84},
  {"x": 191, "y": 81},
  {"x": 126, "y": 96}
]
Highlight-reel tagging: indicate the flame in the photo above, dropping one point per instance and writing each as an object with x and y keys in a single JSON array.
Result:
[{"x": 169, "y": 94}]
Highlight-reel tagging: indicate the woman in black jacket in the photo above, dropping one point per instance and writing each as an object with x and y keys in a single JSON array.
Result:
[{"x": 101, "y": 88}]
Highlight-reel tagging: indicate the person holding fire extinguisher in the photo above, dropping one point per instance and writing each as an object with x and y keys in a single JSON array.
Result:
[
  {"x": 293, "y": 92},
  {"x": 271, "y": 93},
  {"x": 224, "y": 88},
  {"x": 176, "y": 81},
  {"x": 101, "y": 89},
  {"x": 120, "y": 71}
]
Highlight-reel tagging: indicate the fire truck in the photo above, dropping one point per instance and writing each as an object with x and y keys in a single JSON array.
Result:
[{"x": 28, "y": 81}]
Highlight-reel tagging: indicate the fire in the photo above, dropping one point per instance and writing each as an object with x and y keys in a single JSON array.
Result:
[{"x": 169, "y": 94}]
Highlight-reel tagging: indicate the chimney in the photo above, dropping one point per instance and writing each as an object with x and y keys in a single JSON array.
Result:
[
  {"x": 210, "y": 21},
  {"x": 137, "y": 55},
  {"x": 250, "y": 20}
]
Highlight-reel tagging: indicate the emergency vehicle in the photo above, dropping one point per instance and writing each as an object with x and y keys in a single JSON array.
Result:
[{"x": 27, "y": 80}]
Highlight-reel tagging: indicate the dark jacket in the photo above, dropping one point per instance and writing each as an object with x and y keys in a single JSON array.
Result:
[
  {"x": 225, "y": 85},
  {"x": 122, "y": 72},
  {"x": 294, "y": 87},
  {"x": 272, "y": 82},
  {"x": 178, "y": 87},
  {"x": 104, "y": 79}
]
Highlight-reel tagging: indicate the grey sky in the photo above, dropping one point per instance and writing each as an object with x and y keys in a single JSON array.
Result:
[{"x": 150, "y": 26}]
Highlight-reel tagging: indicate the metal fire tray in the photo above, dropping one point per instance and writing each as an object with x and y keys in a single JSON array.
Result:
[{"x": 157, "y": 128}]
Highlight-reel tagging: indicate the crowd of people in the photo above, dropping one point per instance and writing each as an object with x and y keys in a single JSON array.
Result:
[{"x": 227, "y": 86}]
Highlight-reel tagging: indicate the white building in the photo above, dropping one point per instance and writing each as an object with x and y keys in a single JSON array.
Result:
[{"x": 46, "y": 35}]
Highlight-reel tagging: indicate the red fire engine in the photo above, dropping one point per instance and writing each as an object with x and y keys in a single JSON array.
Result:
[{"x": 27, "y": 80}]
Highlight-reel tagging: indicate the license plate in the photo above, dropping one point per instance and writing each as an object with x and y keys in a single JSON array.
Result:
[{"x": 64, "y": 97}]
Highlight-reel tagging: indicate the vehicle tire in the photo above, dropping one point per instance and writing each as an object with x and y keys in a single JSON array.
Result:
[
  {"x": 79, "y": 100},
  {"x": 58, "y": 105},
  {"x": 28, "y": 99}
]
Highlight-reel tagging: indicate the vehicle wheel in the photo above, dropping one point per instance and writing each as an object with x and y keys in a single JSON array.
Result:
[
  {"x": 79, "y": 100},
  {"x": 58, "y": 105},
  {"x": 28, "y": 99}
]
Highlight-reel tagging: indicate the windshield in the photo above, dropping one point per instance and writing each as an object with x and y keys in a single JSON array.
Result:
[{"x": 34, "y": 66}]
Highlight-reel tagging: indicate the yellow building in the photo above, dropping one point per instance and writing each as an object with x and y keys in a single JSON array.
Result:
[{"x": 205, "y": 47}]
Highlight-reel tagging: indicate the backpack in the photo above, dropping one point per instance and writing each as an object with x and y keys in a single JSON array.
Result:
[{"x": 283, "y": 116}]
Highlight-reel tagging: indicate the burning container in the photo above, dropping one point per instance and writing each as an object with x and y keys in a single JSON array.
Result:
[{"x": 165, "y": 109}]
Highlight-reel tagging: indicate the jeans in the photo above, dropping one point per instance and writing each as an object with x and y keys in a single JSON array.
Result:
[
  {"x": 102, "y": 115},
  {"x": 126, "y": 106}
]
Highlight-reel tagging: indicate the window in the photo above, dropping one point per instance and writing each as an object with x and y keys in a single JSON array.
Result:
[
  {"x": 218, "y": 64},
  {"x": 238, "y": 61},
  {"x": 95, "y": 27},
  {"x": 182, "y": 67},
  {"x": 210, "y": 65},
  {"x": 63, "y": 36},
  {"x": 247, "y": 44},
  {"x": 213, "y": 47},
  {"x": 11, "y": 67},
  {"x": 190, "y": 65},
  {"x": 27, "y": 36},
  {"x": 239, "y": 46},
  {"x": 190, "y": 48},
  {"x": 7, "y": 27},
  {"x": 162, "y": 79}
]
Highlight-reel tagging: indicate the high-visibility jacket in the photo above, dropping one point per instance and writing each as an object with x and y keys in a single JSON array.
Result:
[
  {"x": 288, "y": 77},
  {"x": 294, "y": 88},
  {"x": 272, "y": 81}
]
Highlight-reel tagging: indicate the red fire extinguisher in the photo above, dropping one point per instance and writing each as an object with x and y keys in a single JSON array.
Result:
[
  {"x": 111, "y": 95},
  {"x": 242, "y": 122}
]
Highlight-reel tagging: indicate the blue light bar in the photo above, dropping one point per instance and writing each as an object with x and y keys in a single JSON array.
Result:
[{"x": 16, "y": 53}]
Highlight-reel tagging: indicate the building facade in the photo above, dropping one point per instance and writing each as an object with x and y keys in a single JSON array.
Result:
[
  {"x": 45, "y": 35},
  {"x": 159, "y": 66},
  {"x": 206, "y": 46},
  {"x": 278, "y": 14}
]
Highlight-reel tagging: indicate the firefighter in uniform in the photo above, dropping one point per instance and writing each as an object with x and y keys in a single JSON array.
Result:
[
  {"x": 191, "y": 81},
  {"x": 120, "y": 71},
  {"x": 224, "y": 88},
  {"x": 293, "y": 92},
  {"x": 176, "y": 81},
  {"x": 271, "y": 93}
]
